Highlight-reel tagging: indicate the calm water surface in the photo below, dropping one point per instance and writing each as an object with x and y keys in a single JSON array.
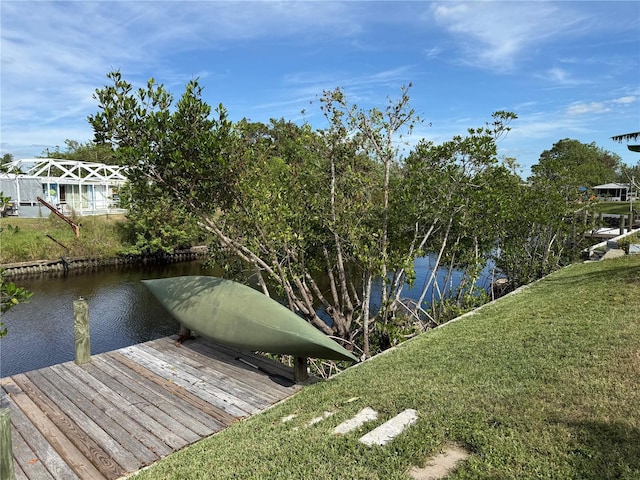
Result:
[{"x": 122, "y": 312}]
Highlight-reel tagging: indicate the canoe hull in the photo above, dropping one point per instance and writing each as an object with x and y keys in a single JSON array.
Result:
[{"x": 239, "y": 316}]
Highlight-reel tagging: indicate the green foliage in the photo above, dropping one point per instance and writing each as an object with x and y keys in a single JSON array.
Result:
[
  {"x": 84, "y": 152},
  {"x": 570, "y": 165},
  {"x": 154, "y": 223},
  {"x": 455, "y": 198},
  {"x": 6, "y": 158},
  {"x": 174, "y": 159},
  {"x": 295, "y": 205},
  {"x": 10, "y": 296},
  {"x": 4, "y": 202},
  {"x": 547, "y": 224}
]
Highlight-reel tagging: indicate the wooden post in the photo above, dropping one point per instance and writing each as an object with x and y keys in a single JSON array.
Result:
[
  {"x": 6, "y": 449},
  {"x": 300, "y": 372},
  {"x": 81, "y": 330}
]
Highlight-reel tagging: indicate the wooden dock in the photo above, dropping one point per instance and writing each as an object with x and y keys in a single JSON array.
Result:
[{"x": 128, "y": 408}]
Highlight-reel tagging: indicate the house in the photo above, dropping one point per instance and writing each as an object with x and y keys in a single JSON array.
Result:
[
  {"x": 83, "y": 188},
  {"x": 615, "y": 192}
]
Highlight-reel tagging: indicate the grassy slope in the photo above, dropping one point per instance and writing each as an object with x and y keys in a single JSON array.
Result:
[
  {"x": 541, "y": 384},
  {"x": 99, "y": 237},
  {"x": 615, "y": 208}
]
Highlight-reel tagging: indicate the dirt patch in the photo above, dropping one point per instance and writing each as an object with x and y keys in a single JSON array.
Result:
[{"x": 441, "y": 465}]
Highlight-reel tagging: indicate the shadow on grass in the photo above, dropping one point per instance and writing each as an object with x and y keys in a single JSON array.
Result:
[{"x": 605, "y": 450}]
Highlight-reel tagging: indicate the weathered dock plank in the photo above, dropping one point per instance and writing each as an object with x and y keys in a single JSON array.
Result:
[
  {"x": 120, "y": 414},
  {"x": 66, "y": 399},
  {"x": 193, "y": 384},
  {"x": 37, "y": 456},
  {"x": 136, "y": 406},
  {"x": 126, "y": 409},
  {"x": 193, "y": 401},
  {"x": 63, "y": 434},
  {"x": 221, "y": 378},
  {"x": 203, "y": 380},
  {"x": 231, "y": 371},
  {"x": 188, "y": 423}
]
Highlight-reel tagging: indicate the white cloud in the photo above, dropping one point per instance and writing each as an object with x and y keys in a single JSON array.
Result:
[
  {"x": 55, "y": 54},
  {"x": 587, "y": 108},
  {"x": 497, "y": 35},
  {"x": 433, "y": 51},
  {"x": 583, "y": 108},
  {"x": 561, "y": 77},
  {"x": 626, "y": 100}
]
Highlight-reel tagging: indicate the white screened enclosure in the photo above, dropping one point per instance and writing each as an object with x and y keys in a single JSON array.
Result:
[{"x": 84, "y": 188}]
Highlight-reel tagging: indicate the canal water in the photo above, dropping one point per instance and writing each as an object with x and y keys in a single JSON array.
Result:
[{"x": 122, "y": 312}]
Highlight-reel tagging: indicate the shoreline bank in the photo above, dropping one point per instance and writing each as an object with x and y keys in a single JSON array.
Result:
[{"x": 63, "y": 265}]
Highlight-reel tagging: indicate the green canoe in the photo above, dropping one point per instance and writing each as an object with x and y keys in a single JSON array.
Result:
[{"x": 241, "y": 317}]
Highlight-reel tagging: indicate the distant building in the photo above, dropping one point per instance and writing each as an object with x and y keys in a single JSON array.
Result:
[
  {"x": 84, "y": 188},
  {"x": 615, "y": 192}
]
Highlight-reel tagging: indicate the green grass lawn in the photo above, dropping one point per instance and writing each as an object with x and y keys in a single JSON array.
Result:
[
  {"x": 614, "y": 208},
  {"x": 540, "y": 384},
  {"x": 25, "y": 239}
]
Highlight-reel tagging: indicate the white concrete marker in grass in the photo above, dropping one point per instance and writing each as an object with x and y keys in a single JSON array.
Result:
[
  {"x": 288, "y": 418},
  {"x": 315, "y": 420},
  {"x": 365, "y": 415},
  {"x": 390, "y": 429}
]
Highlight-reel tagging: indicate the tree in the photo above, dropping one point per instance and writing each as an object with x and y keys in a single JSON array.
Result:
[
  {"x": 548, "y": 227},
  {"x": 376, "y": 135},
  {"x": 274, "y": 196},
  {"x": 85, "y": 152},
  {"x": 572, "y": 166},
  {"x": 455, "y": 203},
  {"x": 538, "y": 236},
  {"x": 6, "y": 158},
  {"x": 313, "y": 217},
  {"x": 630, "y": 175}
]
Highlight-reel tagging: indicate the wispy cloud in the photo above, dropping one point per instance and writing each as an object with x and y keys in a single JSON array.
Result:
[
  {"x": 265, "y": 59},
  {"x": 561, "y": 77},
  {"x": 587, "y": 108},
  {"x": 54, "y": 54},
  {"x": 497, "y": 35},
  {"x": 310, "y": 84},
  {"x": 434, "y": 51},
  {"x": 625, "y": 100}
]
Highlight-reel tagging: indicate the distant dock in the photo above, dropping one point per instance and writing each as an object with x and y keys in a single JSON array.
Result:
[{"x": 129, "y": 408}]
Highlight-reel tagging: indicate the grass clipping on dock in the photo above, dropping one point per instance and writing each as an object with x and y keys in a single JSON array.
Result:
[{"x": 543, "y": 384}]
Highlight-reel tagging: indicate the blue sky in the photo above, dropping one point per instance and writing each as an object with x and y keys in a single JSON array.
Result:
[{"x": 567, "y": 69}]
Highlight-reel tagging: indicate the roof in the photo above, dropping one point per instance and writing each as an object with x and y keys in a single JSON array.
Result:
[
  {"x": 626, "y": 136},
  {"x": 610, "y": 186},
  {"x": 71, "y": 170}
]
